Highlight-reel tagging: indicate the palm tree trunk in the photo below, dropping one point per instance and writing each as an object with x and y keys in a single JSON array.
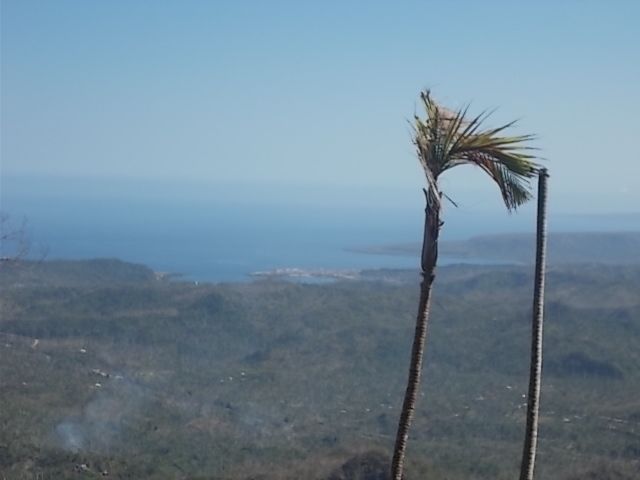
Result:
[
  {"x": 535, "y": 373},
  {"x": 428, "y": 262}
]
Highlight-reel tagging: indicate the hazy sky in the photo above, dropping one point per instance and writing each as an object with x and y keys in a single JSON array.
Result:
[{"x": 317, "y": 93}]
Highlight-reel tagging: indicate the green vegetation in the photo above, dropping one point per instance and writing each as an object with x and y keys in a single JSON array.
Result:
[{"x": 280, "y": 380}]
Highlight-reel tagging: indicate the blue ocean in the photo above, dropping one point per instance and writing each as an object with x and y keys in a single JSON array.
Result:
[
  {"x": 221, "y": 236},
  {"x": 214, "y": 242}
]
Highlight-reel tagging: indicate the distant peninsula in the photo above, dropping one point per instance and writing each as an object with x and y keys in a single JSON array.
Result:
[{"x": 587, "y": 247}]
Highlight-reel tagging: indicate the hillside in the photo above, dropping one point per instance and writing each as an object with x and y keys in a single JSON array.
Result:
[{"x": 108, "y": 370}]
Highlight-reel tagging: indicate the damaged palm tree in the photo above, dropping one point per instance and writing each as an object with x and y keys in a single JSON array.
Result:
[
  {"x": 443, "y": 140},
  {"x": 535, "y": 369}
]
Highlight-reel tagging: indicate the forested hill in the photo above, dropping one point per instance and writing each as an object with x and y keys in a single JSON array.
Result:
[
  {"x": 70, "y": 273},
  {"x": 108, "y": 370}
]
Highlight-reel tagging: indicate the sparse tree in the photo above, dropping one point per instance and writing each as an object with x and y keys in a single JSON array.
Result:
[
  {"x": 14, "y": 243},
  {"x": 445, "y": 139},
  {"x": 535, "y": 373}
]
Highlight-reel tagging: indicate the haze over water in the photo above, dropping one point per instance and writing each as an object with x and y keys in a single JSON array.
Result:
[{"x": 226, "y": 233}]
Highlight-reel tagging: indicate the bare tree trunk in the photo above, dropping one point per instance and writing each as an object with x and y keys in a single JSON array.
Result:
[
  {"x": 535, "y": 373},
  {"x": 428, "y": 262}
]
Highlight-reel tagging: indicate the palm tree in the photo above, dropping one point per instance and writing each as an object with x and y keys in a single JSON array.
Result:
[
  {"x": 443, "y": 140},
  {"x": 535, "y": 373}
]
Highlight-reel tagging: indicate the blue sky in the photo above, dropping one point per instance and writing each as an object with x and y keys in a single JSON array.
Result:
[{"x": 316, "y": 95}]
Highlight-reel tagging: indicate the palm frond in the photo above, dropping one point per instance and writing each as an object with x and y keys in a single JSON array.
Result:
[{"x": 445, "y": 139}]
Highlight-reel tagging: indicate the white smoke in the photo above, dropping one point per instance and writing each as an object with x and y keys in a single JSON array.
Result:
[{"x": 104, "y": 419}]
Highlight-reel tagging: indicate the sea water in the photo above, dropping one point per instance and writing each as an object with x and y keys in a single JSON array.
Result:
[
  {"x": 216, "y": 238},
  {"x": 216, "y": 241}
]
